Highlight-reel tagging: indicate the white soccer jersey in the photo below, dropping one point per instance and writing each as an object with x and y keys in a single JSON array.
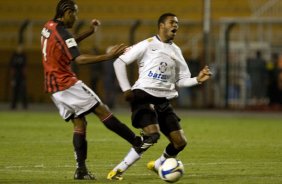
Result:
[{"x": 161, "y": 65}]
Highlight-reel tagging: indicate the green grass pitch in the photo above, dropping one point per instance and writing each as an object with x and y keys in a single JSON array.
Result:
[{"x": 241, "y": 148}]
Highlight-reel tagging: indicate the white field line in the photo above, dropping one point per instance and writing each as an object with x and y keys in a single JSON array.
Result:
[{"x": 137, "y": 165}]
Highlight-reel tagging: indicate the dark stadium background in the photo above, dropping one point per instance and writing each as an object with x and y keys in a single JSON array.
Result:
[{"x": 222, "y": 34}]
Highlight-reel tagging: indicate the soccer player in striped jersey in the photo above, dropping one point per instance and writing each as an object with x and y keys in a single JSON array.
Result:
[
  {"x": 72, "y": 97},
  {"x": 161, "y": 68}
]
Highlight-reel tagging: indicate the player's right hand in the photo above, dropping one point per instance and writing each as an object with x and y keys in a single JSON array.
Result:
[{"x": 128, "y": 96}]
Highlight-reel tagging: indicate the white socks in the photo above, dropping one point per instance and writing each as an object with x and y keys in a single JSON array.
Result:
[
  {"x": 159, "y": 162},
  {"x": 131, "y": 157}
]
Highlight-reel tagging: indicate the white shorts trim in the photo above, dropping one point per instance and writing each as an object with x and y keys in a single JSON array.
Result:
[{"x": 75, "y": 100}]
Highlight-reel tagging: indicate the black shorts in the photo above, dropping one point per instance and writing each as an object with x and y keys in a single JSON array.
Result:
[{"x": 147, "y": 110}]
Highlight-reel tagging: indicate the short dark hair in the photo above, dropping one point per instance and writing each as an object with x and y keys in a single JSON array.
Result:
[
  {"x": 63, "y": 6},
  {"x": 163, "y": 17}
]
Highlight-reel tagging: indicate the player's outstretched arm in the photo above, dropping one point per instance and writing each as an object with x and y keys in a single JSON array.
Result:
[
  {"x": 204, "y": 75},
  {"x": 115, "y": 52},
  {"x": 93, "y": 28}
]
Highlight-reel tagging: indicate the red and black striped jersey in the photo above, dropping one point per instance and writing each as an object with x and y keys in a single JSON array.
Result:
[{"x": 59, "y": 48}]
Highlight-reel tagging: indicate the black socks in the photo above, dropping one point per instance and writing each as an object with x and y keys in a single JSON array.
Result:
[
  {"x": 171, "y": 150},
  {"x": 80, "y": 148},
  {"x": 121, "y": 129}
]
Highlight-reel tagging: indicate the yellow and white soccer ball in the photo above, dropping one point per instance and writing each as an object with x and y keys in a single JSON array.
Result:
[{"x": 171, "y": 170}]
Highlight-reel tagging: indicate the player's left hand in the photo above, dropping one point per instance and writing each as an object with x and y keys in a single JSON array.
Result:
[
  {"x": 95, "y": 24},
  {"x": 204, "y": 75},
  {"x": 116, "y": 50}
]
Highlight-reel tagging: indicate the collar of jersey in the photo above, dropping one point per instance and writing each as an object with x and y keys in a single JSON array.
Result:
[
  {"x": 158, "y": 37},
  {"x": 59, "y": 22}
]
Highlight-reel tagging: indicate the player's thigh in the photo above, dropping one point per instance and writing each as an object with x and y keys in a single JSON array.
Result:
[
  {"x": 76, "y": 101},
  {"x": 102, "y": 111},
  {"x": 143, "y": 116},
  {"x": 168, "y": 121}
]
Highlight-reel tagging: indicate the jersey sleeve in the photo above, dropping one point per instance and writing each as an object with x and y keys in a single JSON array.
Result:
[
  {"x": 121, "y": 74},
  {"x": 134, "y": 53},
  {"x": 183, "y": 74},
  {"x": 182, "y": 68},
  {"x": 68, "y": 43}
]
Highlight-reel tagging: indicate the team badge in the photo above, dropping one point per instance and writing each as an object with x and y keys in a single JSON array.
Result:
[{"x": 163, "y": 67}]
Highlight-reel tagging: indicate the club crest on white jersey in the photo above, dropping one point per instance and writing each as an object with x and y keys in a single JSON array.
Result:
[{"x": 160, "y": 74}]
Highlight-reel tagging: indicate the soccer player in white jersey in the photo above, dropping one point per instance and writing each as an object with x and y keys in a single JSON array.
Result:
[{"x": 161, "y": 68}]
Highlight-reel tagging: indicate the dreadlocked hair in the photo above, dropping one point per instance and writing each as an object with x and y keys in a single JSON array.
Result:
[{"x": 63, "y": 6}]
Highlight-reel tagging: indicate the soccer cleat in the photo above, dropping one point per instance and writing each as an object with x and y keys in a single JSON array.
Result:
[
  {"x": 151, "y": 166},
  {"x": 83, "y": 174},
  {"x": 115, "y": 175}
]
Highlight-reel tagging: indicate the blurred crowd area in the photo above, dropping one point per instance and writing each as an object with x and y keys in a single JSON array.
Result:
[{"x": 243, "y": 47}]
